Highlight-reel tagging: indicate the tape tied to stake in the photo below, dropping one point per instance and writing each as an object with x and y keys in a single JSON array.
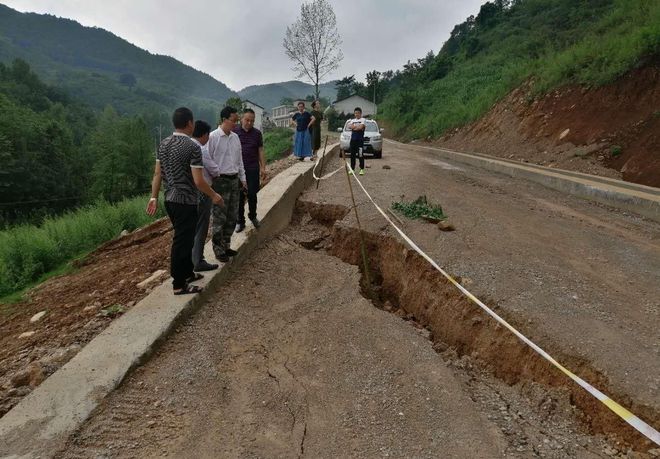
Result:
[{"x": 639, "y": 425}]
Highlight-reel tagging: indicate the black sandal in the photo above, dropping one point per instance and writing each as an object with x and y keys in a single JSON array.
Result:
[
  {"x": 188, "y": 290},
  {"x": 194, "y": 277}
]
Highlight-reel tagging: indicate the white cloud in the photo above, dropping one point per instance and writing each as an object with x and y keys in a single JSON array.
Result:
[{"x": 240, "y": 43}]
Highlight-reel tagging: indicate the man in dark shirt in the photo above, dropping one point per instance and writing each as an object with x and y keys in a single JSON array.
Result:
[
  {"x": 357, "y": 125},
  {"x": 254, "y": 161},
  {"x": 179, "y": 165}
]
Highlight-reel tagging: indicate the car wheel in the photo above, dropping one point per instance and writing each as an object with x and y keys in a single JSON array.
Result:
[{"x": 378, "y": 154}]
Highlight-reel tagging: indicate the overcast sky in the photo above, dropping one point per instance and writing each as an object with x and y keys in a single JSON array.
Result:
[{"x": 240, "y": 42}]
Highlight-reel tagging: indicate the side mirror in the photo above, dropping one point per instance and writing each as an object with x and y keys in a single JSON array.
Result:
[
  {"x": 382, "y": 130},
  {"x": 340, "y": 129}
]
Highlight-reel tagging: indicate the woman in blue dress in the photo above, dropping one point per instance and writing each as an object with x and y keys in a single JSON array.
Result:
[{"x": 302, "y": 146}]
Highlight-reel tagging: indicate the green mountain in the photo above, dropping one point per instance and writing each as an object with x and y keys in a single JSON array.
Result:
[
  {"x": 102, "y": 69},
  {"x": 547, "y": 43},
  {"x": 270, "y": 95}
]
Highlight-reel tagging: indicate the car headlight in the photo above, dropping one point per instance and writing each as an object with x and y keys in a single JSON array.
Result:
[{"x": 375, "y": 137}]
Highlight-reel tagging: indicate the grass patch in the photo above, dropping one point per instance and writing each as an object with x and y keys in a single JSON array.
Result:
[
  {"x": 29, "y": 254},
  {"x": 276, "y": 142},
  {"x": 615, "y": 150},
  {"x": 112, "y": 311},
  {"x": 419, "y": 208}
]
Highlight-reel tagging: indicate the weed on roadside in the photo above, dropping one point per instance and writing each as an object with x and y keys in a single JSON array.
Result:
[
  {"x": 112, "y": 311},
  {"x": 419, "y": 208}
]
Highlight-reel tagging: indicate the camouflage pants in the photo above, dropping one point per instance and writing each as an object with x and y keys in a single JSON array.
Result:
[{"x": 224, "y": 218}]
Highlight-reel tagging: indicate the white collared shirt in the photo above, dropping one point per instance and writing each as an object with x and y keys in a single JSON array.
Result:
[
  {"x": 224, "y": 155},
  {"x": 205, "y": 160}
]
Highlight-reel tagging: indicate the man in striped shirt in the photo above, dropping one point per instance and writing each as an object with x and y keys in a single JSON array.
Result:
[{"x": 179, "y": 165}]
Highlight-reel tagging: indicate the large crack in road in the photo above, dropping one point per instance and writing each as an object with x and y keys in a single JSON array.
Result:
[{"x": 290, "y": 359}]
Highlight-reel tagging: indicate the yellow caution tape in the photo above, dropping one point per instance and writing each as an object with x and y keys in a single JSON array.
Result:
[{"x": 641, "y": 426}]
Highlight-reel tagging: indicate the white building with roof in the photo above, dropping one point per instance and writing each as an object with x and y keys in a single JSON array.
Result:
[
  {"x": 348, "y": 105},
  {"x": 259, "y": 113}
]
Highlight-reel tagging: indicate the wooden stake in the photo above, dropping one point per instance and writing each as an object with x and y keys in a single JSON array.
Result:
[
  {"x": 322, "y": 158},
  {"x": 365, "y": 260}
]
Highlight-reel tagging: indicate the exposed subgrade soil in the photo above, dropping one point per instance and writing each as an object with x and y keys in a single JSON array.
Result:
[
  {"x": 612, "y": 131},
  {"x": 81, "y": 304},
  {"x": 293, "y": 358}
]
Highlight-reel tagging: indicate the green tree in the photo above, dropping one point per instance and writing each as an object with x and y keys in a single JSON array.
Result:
[
  {"x": 235, "y": 102},
  {"x": 345, "y": 87}
]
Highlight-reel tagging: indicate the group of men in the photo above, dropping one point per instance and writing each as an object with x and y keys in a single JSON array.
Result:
[{"x": 207, "y": 173}]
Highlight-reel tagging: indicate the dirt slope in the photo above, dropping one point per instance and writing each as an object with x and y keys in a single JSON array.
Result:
[
  {"x": 612, "y": 131},
  {"x": 80, "y": 305}
]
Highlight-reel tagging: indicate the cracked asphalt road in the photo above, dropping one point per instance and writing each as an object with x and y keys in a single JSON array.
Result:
[{"x": 289, "y": 360}]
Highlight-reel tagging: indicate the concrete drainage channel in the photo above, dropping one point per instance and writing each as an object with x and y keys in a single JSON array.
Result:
[{"x": 496, "y": 367}]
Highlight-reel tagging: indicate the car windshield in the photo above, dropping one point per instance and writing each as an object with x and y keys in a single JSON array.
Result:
[{"x": 371, "y": 127}]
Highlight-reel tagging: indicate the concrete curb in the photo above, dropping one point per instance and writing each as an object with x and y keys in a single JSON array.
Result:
[
  {"x": 640, "y": 199},
  {"x": 42, "y": 422}
]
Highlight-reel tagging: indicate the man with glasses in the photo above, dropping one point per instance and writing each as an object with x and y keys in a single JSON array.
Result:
[{"x": 225, "y": 165}]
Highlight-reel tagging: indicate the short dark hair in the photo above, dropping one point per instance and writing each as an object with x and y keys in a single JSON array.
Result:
[
  {"x": 226, "y": 112},
  {"x": 301, "y": 102},
  {"x": 315, "y": 103},
  {"x": 181, "y": 117},
  {"x": 357, "y": 109},
  {"x": 201, "y": 129},
  {"x": 248, "y": 110}
]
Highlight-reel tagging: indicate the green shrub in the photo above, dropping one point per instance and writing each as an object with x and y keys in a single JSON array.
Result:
[
  {"x": 419, "y": 208},
  {"x": 548, "y": 42},
  {"x": 276, "y": 143},
  {"x": 27, "y": 252}
]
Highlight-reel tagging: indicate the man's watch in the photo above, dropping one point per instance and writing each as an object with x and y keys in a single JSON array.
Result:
[{"x": 153, "y": 199}]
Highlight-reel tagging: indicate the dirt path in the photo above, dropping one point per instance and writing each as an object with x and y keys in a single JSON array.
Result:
[
  {"x": 289, "y": 359},
  {"x": 281, "y": 364},
  {"x": 580, "y": 279},
  {"x": 81, "y": 304}
]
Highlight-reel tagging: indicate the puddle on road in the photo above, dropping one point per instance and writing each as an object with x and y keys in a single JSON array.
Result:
[{"x": 444, "y": 165}]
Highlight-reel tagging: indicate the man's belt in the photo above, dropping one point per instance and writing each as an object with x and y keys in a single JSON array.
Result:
[{"x": 228, "y": 176}]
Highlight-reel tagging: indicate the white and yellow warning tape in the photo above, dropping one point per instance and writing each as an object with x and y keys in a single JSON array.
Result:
[{"x": 641, "y": 426}]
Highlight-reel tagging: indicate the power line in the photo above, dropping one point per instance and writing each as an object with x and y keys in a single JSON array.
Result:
[{"x": 40, "y": 201}]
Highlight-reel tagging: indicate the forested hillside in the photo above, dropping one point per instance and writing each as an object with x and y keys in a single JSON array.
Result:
[
  {"x": 103, "y": 69},
  {"x": 58, "y": 153},
  {"x": 548, "y": 42},
  {"x": 270, "y": 95}
]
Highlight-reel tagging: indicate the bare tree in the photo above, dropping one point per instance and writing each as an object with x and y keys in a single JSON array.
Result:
[{"x": 313, "y": 42}]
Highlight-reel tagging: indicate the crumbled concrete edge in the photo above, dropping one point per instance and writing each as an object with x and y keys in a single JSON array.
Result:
[
  {"x": 639, "y": 199},
  {"x": 42, "y": 422}
]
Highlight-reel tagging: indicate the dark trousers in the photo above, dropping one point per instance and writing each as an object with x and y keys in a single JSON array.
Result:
[
  {"x": 184, "y": 221},
  {"x": 356, "y": 145},
  {"x": 203, "y": 218},
  {"x": 252, "y": 178}
]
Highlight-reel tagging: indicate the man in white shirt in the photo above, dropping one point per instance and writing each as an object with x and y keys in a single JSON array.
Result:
[
  {"x": 225, "y": 167},
  {"x": 357, "y": 125},
  {"x": 201, "y": 137}
]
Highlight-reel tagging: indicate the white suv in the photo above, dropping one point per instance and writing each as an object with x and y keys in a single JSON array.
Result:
[{"x": 373, "y": 139}]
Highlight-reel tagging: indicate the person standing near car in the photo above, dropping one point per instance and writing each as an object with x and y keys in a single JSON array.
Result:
[
  {"x": 179, "y": 165},
  {"x": 254, "y": 161},
  {"x": 357, "y": 125}
]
